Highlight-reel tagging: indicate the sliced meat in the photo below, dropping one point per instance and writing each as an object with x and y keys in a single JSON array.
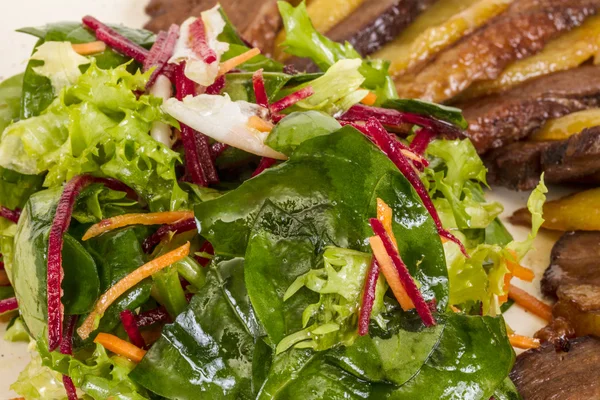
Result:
[
  {"x": 377, "y": 22},
  {"x": 167, "y": 12},
  {"x": 263, "y": 29},
  {"x": 580, "y": 304},
  {"x": 544, "y": 374},
  {"x": 519, "y": 165},
  {"x": 574, "y": 260},
  {"x": 498, "y": 120},
  {"x": 521, "y": 31},
  {"x": 559, "y": 332}
]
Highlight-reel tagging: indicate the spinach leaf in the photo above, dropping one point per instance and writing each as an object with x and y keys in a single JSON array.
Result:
[
  {"x": 10, "y": 100},
  {"x": 208, "y": 351},
  {"x": 298, "y": 127},
  {"x": 37, "y": 90},
  {"x": 507, "y": 391},
  {"x": 81, "y": 285},
  {"x": 239, "y": 85},
  {"x": 117, "y": 254},
  {"x": 445, "y": 113}
]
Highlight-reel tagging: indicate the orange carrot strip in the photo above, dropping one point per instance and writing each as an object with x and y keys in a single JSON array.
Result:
[
  {"x": 159, "y": 218},
  {"x": 410, "y": 155},
  {"x": 390, "y": 273},
  {"x": 230, "y": 64},
  {"x": 120, "y": 347},
  {"x": 143, "y": 272},
  {"x": 454, "y": 309},
  {"x": 384, "y": 214},
  {"x": 259, "y": 124},
  {"x": 89, "y": 48},
  {"x": 4, "y": 281},
  {"x": 523, "y": 342},
  {"x": 369, "y": 99},
  {"x": 530, "y": 303},
  {"x": 525, "y": 274}
]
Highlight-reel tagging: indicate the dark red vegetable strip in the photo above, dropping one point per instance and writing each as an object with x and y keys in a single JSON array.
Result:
[
  {"x": 115, "y": 40},
  {"x": 182, "y": 226},
  {"x": 69, "y": 388},
  {"x": 265, "y": 163},
  {"x": 131, "y": 327},
  {"x": 392, "y": 148},
  {"x": 153, "y": 316},
  {"x": 11, "y": 215},
  {"x": 66, "y": 347},
  {"x": 260, "y": 92},
  {"x": 218, "y": 148},
  {"x": 423, "y": 137},
  {"x": 386, "y": 116},
  {"x": 9, "y": 304},
  {"x": 407, "y": 281},
  {"x": 1, "y": 265},
  {"x": 205, "y": 154},
  {"x": 119, "y": 186},
  {"x": 194, "y": 170},
  {"x": 291, "y": 99},
  {"x": 368, "y": 298},
  {"x": 160, "y": 53},
  {"x": 200, "y": 42},
  {"x": 361, "y": 128},
  {"x": 205, "y": 248},
  {"x": 217, "y": 86}
]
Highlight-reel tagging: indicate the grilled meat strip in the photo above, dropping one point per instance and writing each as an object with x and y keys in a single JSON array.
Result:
[
  {"x": 519, "y": 165},
  {"x": 521, "y": 31},
  {"x": 545, "y": 374}
]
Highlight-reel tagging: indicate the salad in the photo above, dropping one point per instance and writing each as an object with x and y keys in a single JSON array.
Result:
[{"x": 185, "y": 218}]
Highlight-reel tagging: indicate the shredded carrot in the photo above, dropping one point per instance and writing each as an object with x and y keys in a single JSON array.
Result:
[
  {"x": 4, "y": 281},
  {"x": 530, "y": 303},
  {"x": 411, "y": 156},
  {"x": 120, "y": 347},
  {"x": 259, "y": 124},
  {"x": 143, "y": 272},
  {"x": 89, "y": 48},
  {"x": 454, "y": 309},
  {"x": 504, "y": 298},
  {"x": 523, "y": 342},
  {"x": 517, "y": 269},
  {"x": 369, "y": 99},
  {"x": 230, "y": 64},
  {"x": 384, "y": 214},
  {"x": 390, "y": 273},
  {"x": 159, "y": 218}
]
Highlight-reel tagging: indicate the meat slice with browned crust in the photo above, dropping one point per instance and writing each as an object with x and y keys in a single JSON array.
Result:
[
  {"x": 521, "y": 31},
  {"x": 500, "y": 119}
]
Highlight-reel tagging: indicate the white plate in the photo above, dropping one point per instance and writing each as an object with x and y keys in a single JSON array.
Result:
[{"x": 16, "y": 48}]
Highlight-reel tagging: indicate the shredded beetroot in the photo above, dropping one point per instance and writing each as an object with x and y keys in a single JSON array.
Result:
[
  {"x": 200, "y": 42},
  {"x": 217, "y": 86},
  {"x": 386, "y": 116},
  {"x": 205, "y": 154},
  {"x": 11, "y": 215},
  {"x": 291, "y": 99},
  {"x": 182, "y": 226},
  {"x": 368, "y": 298},
  {"x": 66, "y": 347},
  {"x": 161, "y": 52},
  {"x": 265, "y": 163},
  {"x": 205, "y": 248},
  {"x": 7, "y": 305},
  {"x": 260, "y": 92},
  {"x": 218, "y": 148},
  {"x": 131, "y": 327},
  {"x": 393, "y": 149},
  {"x": 115, "y": 40},
  {"x": 60, "y": 225},
  {"x": 407, "y": 281},
  {"x": 1, "y": 264},
  {"x": 153, "y": 316},
  {"x": 421, "y": 140}
]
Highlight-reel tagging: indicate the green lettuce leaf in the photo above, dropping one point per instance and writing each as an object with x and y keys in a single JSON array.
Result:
[
  {"x": 10, "y": 100},
  {"x": 16, "y": 331}
]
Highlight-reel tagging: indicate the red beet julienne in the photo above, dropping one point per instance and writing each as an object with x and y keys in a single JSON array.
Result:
[
  {"x": 60, "y": 225},
  {"x": 260, "y": 93},
  {"x": 131, "y": 327},
  {"x": 11, "y": 215},
  {"x": 291, "y": 99},
  {"x": 407, "y": 281},
  {"x": 422, "y": 138},
  {"x": 217, "y": 86},
  {"x": 179, "y": 227},
  {"x": 392, "y": 148},
  {"x": 265, "y": 163},
  {"x": 9, "y": 304},
  {"x": 66, "y": 347},
  {"x": 161, "y": 52},
  {"x": 368, "y": 298},
  {"x": 115, "y": 40},
  {"x": 396, "y": 118},
  {"x": 206, "y": 247},
  {"x": 153, "y": 316},
  {"x": 200, "y": 42}
]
